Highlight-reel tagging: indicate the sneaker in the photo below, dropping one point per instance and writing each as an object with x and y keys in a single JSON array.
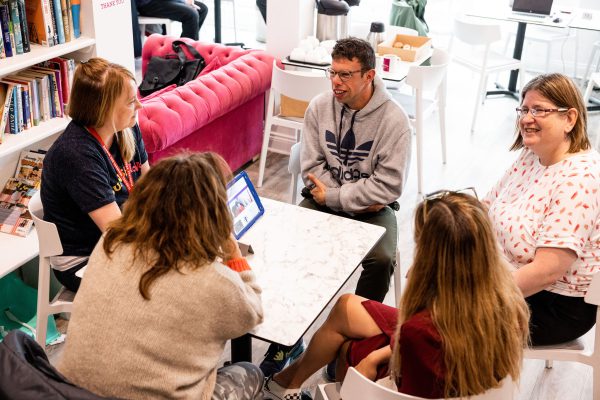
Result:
[
  {"x": 329, "y": 371},
  {"x": 278, "y": 357},
  {"x": 272, "y": 390}
]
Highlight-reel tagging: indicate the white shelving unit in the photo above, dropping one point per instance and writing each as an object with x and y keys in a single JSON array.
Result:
[{"x": 105, "y": 32}]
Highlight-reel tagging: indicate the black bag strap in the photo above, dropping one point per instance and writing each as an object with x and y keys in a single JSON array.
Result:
[{"x": 177, "y": 48}]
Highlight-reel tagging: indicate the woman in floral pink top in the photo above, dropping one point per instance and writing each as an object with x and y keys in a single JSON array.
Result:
[{"x": 545, "y": 210}]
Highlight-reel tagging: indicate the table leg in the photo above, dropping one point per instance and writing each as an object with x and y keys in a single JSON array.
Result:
[
  {"x": 241, "y": 349},
  {"x": 514, "y": 74},
  {"x": 217, "y": 4}
]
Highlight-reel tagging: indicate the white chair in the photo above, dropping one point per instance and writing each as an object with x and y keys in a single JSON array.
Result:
[
  {"x": 49, "y": 243},
  {"x": 426, "y": 79},
  {"x": 594, "y": 80},
  {"x": 481, "y": 59},
  {"x": 595, "y": 50},
  {"x": 143, "y": 21},
  {"x": 296, "y": 85},
  {"x": 576, "y": 349},
  {"x": 357, "y": 387},
  {"x": 294, "y": 168}
]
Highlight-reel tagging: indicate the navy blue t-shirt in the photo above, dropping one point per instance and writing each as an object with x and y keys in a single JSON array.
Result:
[{"x": 77, "y": 178}]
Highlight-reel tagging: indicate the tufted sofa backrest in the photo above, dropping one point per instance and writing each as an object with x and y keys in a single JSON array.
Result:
[{"x": 158, "y": 45}]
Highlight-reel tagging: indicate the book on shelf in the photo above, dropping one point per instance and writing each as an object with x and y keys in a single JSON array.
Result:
[
  {"x": 43, "y": 90},
  {"x": 39, "y": 22},
  {"x": 24, "y": 27},
  {"x": 54, "y": 21},
  {"x": 28, "y": 98},
  {"x": 2, "y": 51},
  {"x": 65, "y": 20},
  {"x": 6, "y": 95},
  {"x": 26, "y": 95},
  {"x": 15, "y": 20},
  {"x": 61, "y": 65},
  {"x": 15, "y": 218},
  {"x": 55, "y": 89},
  {"x": 76, "y": 11},
  {"x": 12, "y": 124},
  {"x": 34, "y": 96},
  {"x": 70, "y": 19},
  {"x": 4, "y": 23},
  {"x": 16, "y": 109}
]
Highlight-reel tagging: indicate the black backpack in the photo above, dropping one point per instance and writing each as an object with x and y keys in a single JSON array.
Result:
[
  {"x": 172, "y": 69},
  {"x": 28, "y": 375}
]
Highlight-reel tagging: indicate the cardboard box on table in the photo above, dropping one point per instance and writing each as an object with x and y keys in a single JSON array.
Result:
[{"x": 420, "y": 46}]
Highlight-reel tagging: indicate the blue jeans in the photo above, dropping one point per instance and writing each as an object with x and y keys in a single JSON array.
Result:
[{"x": 191, "y": 18}]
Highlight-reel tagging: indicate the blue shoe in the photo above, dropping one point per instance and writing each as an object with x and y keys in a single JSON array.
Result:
[{"x": 278, "y": 357}]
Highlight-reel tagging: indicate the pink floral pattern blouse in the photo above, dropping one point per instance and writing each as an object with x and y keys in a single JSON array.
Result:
[{"x": 556, "y": 206}]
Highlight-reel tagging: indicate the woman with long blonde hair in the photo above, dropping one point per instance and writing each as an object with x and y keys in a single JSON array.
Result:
[
  {"x": 461, "y": 325},
  {"x": 92, "y": 167}
]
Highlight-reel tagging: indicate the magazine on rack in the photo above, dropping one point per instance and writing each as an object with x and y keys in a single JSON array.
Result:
[{"x": 14, "y": 198}]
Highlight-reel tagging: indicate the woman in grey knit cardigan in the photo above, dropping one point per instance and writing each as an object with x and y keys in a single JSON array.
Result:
[{"x": 165, "y": 289}]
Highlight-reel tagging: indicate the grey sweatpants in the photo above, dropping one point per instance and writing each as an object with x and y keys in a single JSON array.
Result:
[{"x": 239, "y": 381}]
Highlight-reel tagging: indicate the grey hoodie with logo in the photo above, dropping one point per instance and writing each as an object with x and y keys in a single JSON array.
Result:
[{"x": 361, "y": 156}]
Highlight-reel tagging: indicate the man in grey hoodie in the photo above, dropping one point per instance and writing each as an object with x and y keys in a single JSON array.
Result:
[
  {"x": 355, "y": 156},
  {"x": 356, "y": 145}
]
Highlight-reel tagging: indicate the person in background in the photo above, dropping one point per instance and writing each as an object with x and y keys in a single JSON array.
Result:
[
  {"x": 262, "y": 7},
  {"x": 135, "y": 30},
  {"x": 164, "y": 290},
  {"x": 191, "y": 13},
  {"x": 354, "y": 158},
  {"x": 91, "y": 169},
  {"x": 460, "y": 303},
  {"x": 546, "y": 209}
]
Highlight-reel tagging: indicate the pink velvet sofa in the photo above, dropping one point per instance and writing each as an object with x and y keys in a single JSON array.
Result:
[{"x": 222, "y": 110}]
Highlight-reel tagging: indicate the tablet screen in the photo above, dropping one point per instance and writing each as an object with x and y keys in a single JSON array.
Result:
[{"x": 244, "y": 204}]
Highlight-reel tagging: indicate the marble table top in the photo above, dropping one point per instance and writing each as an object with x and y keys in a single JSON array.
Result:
[{"x": 301, "y": 260}]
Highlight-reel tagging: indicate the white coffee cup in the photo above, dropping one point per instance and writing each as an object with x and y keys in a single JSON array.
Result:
[{"x": 392, "y": 62}]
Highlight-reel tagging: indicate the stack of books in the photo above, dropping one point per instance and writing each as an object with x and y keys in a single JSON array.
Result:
[
  {"x": 46, "y": 22},
  {"x": 35, "y": 94}
]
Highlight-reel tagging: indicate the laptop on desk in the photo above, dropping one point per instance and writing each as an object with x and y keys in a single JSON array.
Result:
[{"x": 533, "y": 10}]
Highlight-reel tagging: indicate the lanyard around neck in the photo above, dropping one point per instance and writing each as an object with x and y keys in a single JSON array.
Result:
[{"x": 125, "y": 175}]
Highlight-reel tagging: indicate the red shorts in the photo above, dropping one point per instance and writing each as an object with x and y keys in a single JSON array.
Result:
[{"x": 386, "y": 318}]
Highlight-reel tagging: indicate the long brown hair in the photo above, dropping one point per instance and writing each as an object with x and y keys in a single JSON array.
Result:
[
  {"x": 97, "y": 84},
  {"x": 177, "y": 215},
  {"x": 563, "y": 93},
  {"x": 459, "y": 276}
]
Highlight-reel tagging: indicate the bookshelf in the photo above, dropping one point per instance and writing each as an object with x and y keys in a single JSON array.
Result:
[
  {"x": 40, "y": 53},
  {"x": 105, "y": 32}
]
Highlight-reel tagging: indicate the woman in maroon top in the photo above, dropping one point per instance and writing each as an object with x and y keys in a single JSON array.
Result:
[{"x": 461, "y": 325}]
